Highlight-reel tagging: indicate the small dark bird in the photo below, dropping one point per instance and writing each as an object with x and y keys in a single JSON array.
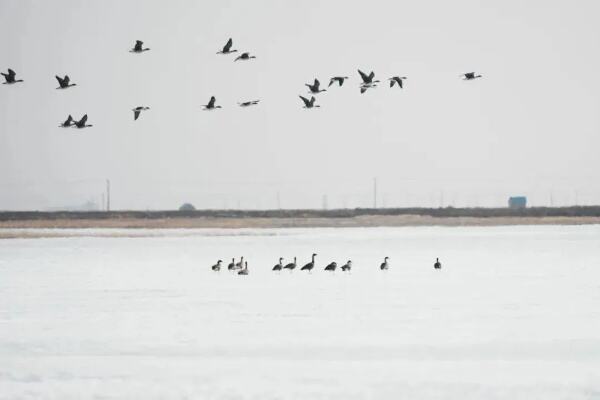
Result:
[
  {"x": 347, "y": 266},
  {"x": 248, "y": 103},
  {"x": 384, "y": 265},
  {"x": 367, "y": 79},
  {"x": 227, "y": 48},
  {"x": 310, "y": 265},
  {"x": 469, "y": 76},
  {"x": 279, "y": 265},
  {"x": 217, "y": 266},
  {"x": 138, "y": 47},
  {"x": 291, "y": 265},
  {"x": 331, "y": 266},
  {"x": 137, "y": 111},
  {"x": 64, "y": 83},
  {"x": 244, "y": 271},
  {"x": 240, "y": 264},
  {"x": 309, "y": 103},
  {"x": 10, "y": 77},
  {"x": 244, "y": 57},
  {"x": 314, "y": 88},
  {"x": 67, "y": 123},
  {"x": 339, "y": 79},
  {"x": 231, "y": 265},
  {"x": 396, "y": 80},
  {"x": 438, "y": 264},
  {"x": 211, "y": 104},
  {"x": 82, "y": 123}
]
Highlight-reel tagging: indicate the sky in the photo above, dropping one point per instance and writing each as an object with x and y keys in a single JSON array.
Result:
[{"x": 530, "y": 126}]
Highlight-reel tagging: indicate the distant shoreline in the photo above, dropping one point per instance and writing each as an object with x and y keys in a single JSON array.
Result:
[{"x": 233, "y": 219}]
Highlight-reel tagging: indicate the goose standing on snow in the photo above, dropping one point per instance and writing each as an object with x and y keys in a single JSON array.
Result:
[
  {"x": 211, "y": 104},
  {"x": 309, "y": 103},
  {"x": 438, "y": 264},
  {"x": 315, "y": 87},
  {"x": 396, "y": 80},
  {"x": 69, "y": 122},
  {"x": 384, "y": 265},
  {"x": 248, "y": 103},
  {"x": 310, "y": 265},
  {"x": 217, "y": 266},
  {"x": 347, "y": 266},
  {"x": 339, "y": 79},
  {"x": 331, "y": 266},
  {"x": 138, "y": 47},
  {"x": 227, "y": 48},
  {"x": 137, "y": 111},
  {"x": 279, "y": 265},
  {"x": 240, "y": 264},
  {"x": 231, "y": 265},
  {"x": 291, "y": 265},
  {"x": 244, "y": 271},
  {"x": 64, "y": 83},
  {"x": 469, "y": 76},
  {"x": 244, "y": 57},
  {"x": 82, "y": 123},
  {"x": 10, "y": 77}
]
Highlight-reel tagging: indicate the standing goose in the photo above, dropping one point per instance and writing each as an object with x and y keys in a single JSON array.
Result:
[
  {"x": 217, "y": 266},
  {"x": 67, "y": 123},
  {"x": 244, "y": 57},
  {"x": 315, "y": 87},
  {"x": 396, "y": 80},
  {"x": 227, "y": 48},
  {"x": 291, "y": 265},
  {"x": 469, "y": 76},
  {"x": 309, "y": 103},
  {"x": 64, "y": 83},
  {"x": 347, "y": 266},
  {"x": 231, "y": 265},
  {"x": 244, "y": 271},
  {"x": 211, "y": 104},
  {"x": 339, "y": 79},
  {"x": 248, "y": 103},
  {"x": 331, "y": 267},
  {"x": 10, "y": 77},
  {"x": 279, "y": 265},
  {"x": 310, "y": 265},
  {"x": 82, "y": 123},
  {"x": 138, "y": 47},
  {"x": 240, "y": 264},
  {"x": 384, "y": 265},
  {"x": 137, "y": 111},
  {"x": 438, "y": 264}
]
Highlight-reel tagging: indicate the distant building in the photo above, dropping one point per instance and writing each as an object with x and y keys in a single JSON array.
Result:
[{"x": 517, "y": 202}]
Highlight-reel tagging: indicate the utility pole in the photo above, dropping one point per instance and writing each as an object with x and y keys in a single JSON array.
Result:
[
  {"x": 374, "y": 192},
  {"x": 108, "y": 195}
]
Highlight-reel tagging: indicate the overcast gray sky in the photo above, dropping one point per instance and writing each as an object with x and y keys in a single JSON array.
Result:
[{"x": 531, "y": 126}]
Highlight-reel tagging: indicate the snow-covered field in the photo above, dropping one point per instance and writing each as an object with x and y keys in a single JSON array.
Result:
[{"x": 513, "y": 314}]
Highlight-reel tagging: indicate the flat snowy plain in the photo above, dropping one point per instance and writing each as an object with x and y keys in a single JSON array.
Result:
[{"x": 513, "y": 314}]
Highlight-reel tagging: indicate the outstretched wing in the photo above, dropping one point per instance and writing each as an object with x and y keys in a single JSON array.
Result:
[
  {"x": 83, "y": 120},
  {"x": 364, "y": 77},
  {"x": 59, "y": 79},
  {"x": 211, "y": 103},
  {"x": 136, "y": 114},
  {"x": 11, "y": 72},
  {"x": 228, "y": 45},
  {"x": 371, "y": 76},
  {"x": 138, "y": 45},
  {"x": 470, "y": 75},
  {"x": 317, "y": 84},
  {"x": 312, "y": 100},
  {"x": 66, "y": 79},
  {"x": 306, "y": 101}
]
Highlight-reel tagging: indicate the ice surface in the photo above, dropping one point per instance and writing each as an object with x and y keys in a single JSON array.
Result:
[{"x": 513, "y": 314}]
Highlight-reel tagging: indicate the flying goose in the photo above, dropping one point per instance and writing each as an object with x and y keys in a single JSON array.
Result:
[
  {"x": 10, "y": 77},
  {"x": 227, "y": 48},
  {"x": 310, "y": 265},
  {"x": 291, "y": 265},
  {"x": 138, "y": 110},
  {"x": 279, "y": 265},
  {"x": 469, "y": 76},
  {"x": 384, "y": 265},
  {"x": 64, "y": 83},
  {"x": 217, "y": 266},
  {"x": 314, "y": 88},
  {"x": 339, "y": 79},
  {"x": 309, "y": 103},
  {"x": 248, "y": 103},
  {"x": 211, "y": 104},
  {"x": 368, "y": 81},
  {"x": 138, "y": 47},
  {"x": 396, "y": 80},
  {"x": 244, "y": 57},
  {"x": 67, "y": 123},
  {"x": 82, "y": 123}
]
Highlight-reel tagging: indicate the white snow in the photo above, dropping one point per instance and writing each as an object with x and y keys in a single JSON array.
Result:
[{"x": 513, "y": 314}]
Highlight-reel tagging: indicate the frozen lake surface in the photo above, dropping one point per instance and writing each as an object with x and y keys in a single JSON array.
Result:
[{"x": 513, "y": 314}]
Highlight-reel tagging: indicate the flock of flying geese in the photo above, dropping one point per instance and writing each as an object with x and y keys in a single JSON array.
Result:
[
  {"x": 242, "y": 266},
  {"x": 368, "y": 82}
]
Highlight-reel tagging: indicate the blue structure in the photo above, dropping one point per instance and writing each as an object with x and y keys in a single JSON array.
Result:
[{"x": 517, "y": 202}]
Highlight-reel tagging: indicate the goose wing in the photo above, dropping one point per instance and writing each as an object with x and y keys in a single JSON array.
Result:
[
  {"x": 11, "y": 73},
  {"x": 138, "y": 45},
  {"x": 211, "y": 103},
  {"x": 227, "y": 46},
  {"x": 364, "y": 76},
  {"x": 136, "y": 114},
  {"x": 307, "y": 102},
  {"x": 59, "y": 79}
]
